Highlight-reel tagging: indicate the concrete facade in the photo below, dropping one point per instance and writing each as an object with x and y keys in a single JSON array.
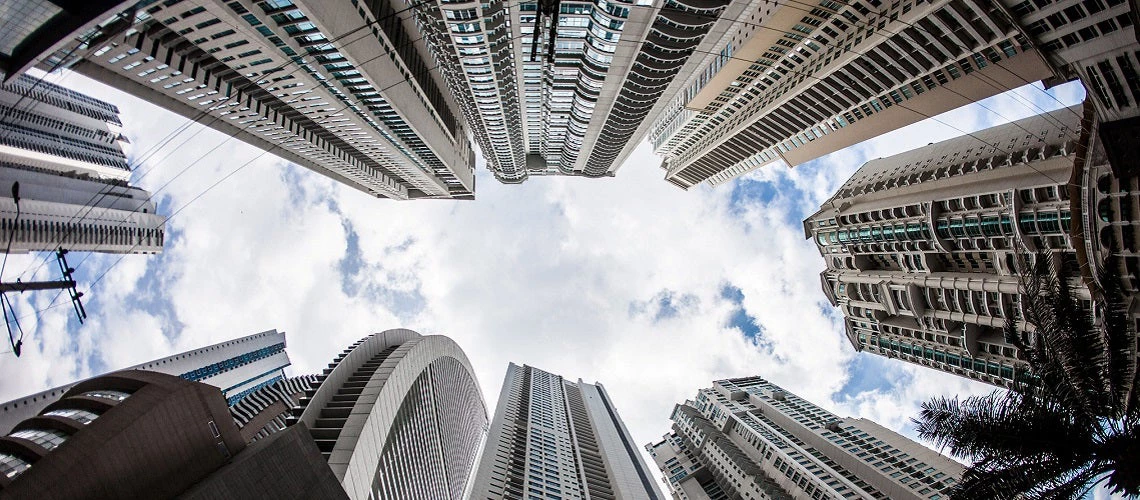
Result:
[
  {"x": 330, "y": 88},
  {"x": 1095, "y": 41},
  {"x": 138, "y": 434},
  {"x": 64, "y": 149},
  {"x": 237, "y": 367},
  {"x": 795, "y": 82},
  {"x": 552, "y": 438},
  {"x": 748, "y": 438},
  {"x": 925, "y": 250},
  {"x": 398, "y": 415},
  {"x": 167, "y": 431}
]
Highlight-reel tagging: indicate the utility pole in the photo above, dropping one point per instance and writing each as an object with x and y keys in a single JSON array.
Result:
[{"x": 65, "y": 283}]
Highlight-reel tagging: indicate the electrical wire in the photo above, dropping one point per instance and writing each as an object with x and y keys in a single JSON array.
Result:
[{"x": 92, "y": 203}]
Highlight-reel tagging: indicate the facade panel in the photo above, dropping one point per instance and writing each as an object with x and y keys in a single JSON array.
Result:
[
  {"x": 64, "y": 150},
  {"x": 335, "y": 89}
]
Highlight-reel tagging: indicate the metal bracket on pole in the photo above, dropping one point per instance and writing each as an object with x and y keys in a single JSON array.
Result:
[{"x": 61, "y": 259}]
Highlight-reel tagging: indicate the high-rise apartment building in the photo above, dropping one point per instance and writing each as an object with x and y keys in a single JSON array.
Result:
[
  {"x": 793, "y": 82},
  {"x": 553, "y": 438},
  {"x": 398, "y": 415},
  {"x": 1095, "y": 41},
  {"x": 237, "y": 367},
  {"x": 338, "y": 89},
  {"x": 562, "y": 88},
  {"x": 63, "y": 149},
  {"x": 748, "y": 438},
  {"x": 925, "y": 249}
]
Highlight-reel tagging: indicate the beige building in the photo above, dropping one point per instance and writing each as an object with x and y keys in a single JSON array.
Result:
[
  {"x": 1093, "y": 40},
  {"x": 924, "y": 250},
  {"x": 748, "y": 438},
  {"x": 796, "y": 82},
  {"x": 793, "y": 82}
]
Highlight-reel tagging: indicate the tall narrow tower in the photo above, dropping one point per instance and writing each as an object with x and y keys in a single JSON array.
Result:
[
  {"x": 798, "y": 81},
  {"x": 63, "y": 148},
  {"x": 552, "y": 438}
]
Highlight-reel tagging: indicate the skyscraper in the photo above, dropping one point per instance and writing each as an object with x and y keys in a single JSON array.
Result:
[
  {"x": 398, "y": 415},
  {"x": 237, "y": 367},
  {"x": 341, "y": 90},
  {"x": 794, "y": 82},
  {"x": 63, "y": 148},
  {"x": 562, "y": 88},
  {"x": 925, "y": 249},
  {"x": 748, "y": 438},
  {"x": 552, "y": 438}
]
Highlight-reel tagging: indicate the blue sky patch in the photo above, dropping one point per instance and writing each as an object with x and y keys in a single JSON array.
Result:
[{"x": 872, "y": 373}]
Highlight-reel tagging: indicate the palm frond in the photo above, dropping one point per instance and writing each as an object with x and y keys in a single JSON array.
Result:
[
  {"x": 1006, "y": 425},
  {"x": 1069, "y": 351},
  {"x": 1120, "y": 339},
  {"x": 1028, "y": 479}
]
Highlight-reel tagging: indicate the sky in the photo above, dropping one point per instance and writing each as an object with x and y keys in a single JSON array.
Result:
[{"x": 629, "y": 281}]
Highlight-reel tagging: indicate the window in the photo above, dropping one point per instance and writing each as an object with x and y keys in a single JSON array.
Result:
[
  {"x": 48, "y": 439},
  {"x": 11, "y": 466},
  {"x": 106, "y": 394},
  {"x": 82, "y": 416}
]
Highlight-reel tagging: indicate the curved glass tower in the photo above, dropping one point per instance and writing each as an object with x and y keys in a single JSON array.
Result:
[{"x": 398, "y": 415}]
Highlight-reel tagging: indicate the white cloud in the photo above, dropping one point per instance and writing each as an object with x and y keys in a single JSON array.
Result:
[{"x": 564, "y": 274}]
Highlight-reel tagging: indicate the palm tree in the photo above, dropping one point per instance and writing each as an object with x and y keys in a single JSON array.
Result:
[{"x": 1076, "y": 425}]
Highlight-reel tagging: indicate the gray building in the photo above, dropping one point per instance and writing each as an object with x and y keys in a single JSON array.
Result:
[
  {"x": 398, "y": 415},
  {"x": 337, "y": 89},
  {"x": 238, "y": 367},
  {"x": 565, "y": 88},
  {"x": 925, "y": 249},
  {"x": 552, "y": 438},
  {"x": 64, "y": 149},
  {"x": 748, "y": 438}
]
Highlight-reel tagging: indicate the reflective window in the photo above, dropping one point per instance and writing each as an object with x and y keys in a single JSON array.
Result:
[
  {"x": 107, "y": 394},
  {"x": 48, "y": 439},
  {"x": 12, "y": 466},
  {"x": 82, "y": 416}
]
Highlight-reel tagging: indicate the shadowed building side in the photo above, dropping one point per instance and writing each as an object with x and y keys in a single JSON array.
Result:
[
  {"x": 237, "y": 366},
  {"x": 167, "y": 431}
]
